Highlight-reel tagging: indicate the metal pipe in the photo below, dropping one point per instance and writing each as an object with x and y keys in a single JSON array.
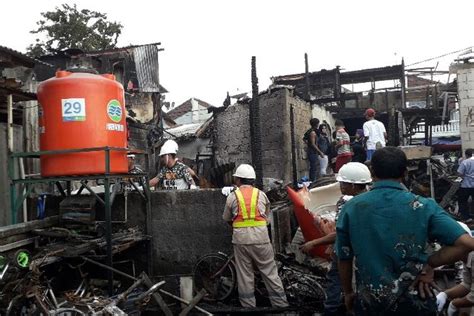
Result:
[
  {"x": 137, "y": 189},
  {"x": 109, "y": 268},
  {"x": 84, "y": 184},
  {"x": 10, "y": 122},
  {"x": 10, "y": 150},
  {"x": 125, "y": 197},
  {"x": 108, "y": 231},
  {"x": 24, "y": 203}
]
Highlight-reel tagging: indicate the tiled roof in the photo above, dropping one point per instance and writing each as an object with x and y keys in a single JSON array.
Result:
[{"x": 186, "y": 107}]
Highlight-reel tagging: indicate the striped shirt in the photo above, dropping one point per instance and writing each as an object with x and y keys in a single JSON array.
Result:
[{"x": 345, "y": 149}]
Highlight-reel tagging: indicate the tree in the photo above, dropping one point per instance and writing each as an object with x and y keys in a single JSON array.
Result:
[{"x": 68, "y": 27}]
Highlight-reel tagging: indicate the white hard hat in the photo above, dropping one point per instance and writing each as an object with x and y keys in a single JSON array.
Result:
[
  {"x": 245, "y": 171},
  {"x": 354, "y": 172},
  {"x": 169, "y": 147}
]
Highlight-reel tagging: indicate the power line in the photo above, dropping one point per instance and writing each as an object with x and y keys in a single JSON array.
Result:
[{"x": 440, "y": 56}]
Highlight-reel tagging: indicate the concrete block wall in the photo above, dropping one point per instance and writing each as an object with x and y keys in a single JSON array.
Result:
[
  {"x": 188, "y": 224},
  {"x": 185, "y": 226},
  {"x": 276, "y": 141},
  {"x": 233, "y": 135},
  {"x": 303, "y": 114},
  {"x": 465, "y": 81}
]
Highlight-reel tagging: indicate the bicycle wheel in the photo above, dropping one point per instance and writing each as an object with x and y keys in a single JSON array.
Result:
[{"x": 216, "y": 274}]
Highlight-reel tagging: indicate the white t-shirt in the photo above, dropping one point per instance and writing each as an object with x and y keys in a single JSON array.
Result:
[{"x": 374, "y": 130}]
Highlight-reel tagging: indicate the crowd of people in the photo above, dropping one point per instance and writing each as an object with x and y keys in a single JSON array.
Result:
[
  {"x": 326, "y": 151},
  {"x": 383, "y": 233}
]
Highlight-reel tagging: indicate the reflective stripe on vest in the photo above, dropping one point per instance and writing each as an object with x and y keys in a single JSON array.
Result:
[{"x": 243, "y": 218}]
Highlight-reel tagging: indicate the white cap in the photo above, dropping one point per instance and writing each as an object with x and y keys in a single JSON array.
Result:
[
  {"x": 245, "y": 171},
  {"x": 169, "y": 147},
  {"x": 354, "y": 172}
]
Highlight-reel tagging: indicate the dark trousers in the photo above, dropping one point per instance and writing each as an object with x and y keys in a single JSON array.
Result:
[
  {"x": 463, "y": 197},
  {"x": 313, "y": 165},
  {"x": 333, "y": 302}
]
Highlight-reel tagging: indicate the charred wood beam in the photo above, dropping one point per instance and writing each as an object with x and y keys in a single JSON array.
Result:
[
  {"x": 373, "y": 74},
  {"x": 293, "y": 147},
  {"x": 306, "y": 76},
  {"x": 255, "y": 132},
  {"x": 342, "y": 97}
]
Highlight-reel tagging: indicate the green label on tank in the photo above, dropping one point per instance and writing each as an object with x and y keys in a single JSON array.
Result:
[{"x": 114, "y": 110}]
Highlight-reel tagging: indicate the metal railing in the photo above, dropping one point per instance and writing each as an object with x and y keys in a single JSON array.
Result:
[{"x": 445, "y": 130}]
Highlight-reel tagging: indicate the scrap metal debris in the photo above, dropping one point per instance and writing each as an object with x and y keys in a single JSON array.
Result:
[
  {"x": 51, "y": 275},
  {"x": 216, "y": 274}
]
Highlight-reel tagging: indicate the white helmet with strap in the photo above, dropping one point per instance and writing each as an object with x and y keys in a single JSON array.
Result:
[
  {"x": 245, "y": 171},
  {"x": 354, "y": 172},
  {"x": 169, "y": 147}
]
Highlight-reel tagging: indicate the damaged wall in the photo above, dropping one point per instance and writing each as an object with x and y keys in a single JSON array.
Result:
[
  {"x": 186, "y": 225},
  {"x": 465, "y": 80},
  {"x": 232, "y": 142},
  {"x": 140, "y": 106},
  {"x": 5, "y": 212}
]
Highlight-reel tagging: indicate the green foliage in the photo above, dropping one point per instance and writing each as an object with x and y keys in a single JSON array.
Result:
[{"x": 68, "y": 27}]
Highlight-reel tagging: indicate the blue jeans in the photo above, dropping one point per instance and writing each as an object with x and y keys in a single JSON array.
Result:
[
  {"x": 334, "y": 290},
  {"x": 313, "y": 165},
  {"x": 370, "y": 152},
  {"x": 463, "y": 197}
]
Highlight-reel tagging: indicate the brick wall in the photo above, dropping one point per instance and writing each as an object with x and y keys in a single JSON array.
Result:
[
  {"x": 303, "y": 113},
  {"x": 233, "y": 136},
  {"x": 465, "y": 80},
  {"x": 276, "y": 141}
]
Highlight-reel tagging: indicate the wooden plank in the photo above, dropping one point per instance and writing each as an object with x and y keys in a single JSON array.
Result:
[
  {"x": 157, "y": 297},
  {"x": 22, "y": 228},
  {"x": 193, "y": 303}
]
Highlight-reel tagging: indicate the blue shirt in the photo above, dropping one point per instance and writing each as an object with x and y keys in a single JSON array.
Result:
[
  {"x": 387, "y": 230},
  {"x": 466, "y": 168}
]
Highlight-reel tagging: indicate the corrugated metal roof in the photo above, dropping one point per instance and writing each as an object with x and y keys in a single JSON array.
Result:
[
  {"x": 184, "y": 130},
  {"x": 146, "y": 64},
  {"x": 27, "y": 60}
]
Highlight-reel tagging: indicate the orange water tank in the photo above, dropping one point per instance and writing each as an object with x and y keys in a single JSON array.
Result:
[{"x": 82, "y": 110}]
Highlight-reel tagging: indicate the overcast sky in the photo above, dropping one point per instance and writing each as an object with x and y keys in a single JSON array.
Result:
[{"x": 208, "y": 44}]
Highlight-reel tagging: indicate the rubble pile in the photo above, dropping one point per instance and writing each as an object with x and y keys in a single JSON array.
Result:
[{"x": 59, "y": 272}]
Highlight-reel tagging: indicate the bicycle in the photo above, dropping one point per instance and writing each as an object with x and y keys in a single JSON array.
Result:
[{"x": 216, "y": 273}]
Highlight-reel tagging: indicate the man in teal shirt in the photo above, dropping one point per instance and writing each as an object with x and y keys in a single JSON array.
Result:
[{"x": 386, "y": 231}]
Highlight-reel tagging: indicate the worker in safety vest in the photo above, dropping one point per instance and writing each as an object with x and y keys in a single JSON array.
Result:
[{"x": 247, "y": 210}]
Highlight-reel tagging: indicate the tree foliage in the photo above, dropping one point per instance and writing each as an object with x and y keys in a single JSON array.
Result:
[{"x": 68, "y": 27}]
